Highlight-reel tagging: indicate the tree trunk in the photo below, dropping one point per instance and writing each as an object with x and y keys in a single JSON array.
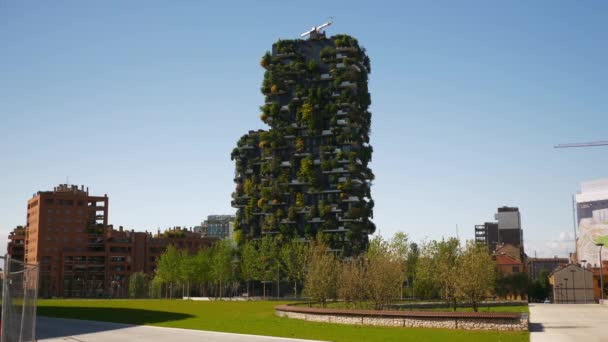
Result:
[
  {"x": 295, "y": 289},
  {"x": 264, "y": 291}
]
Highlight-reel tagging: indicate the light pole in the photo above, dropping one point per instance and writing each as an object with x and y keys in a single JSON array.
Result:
[
  {"x": 566, "y": 280},
  {"x": 557, "y": 296},
  {"x": 585, "y": 279},
  {"x": 573, "y": 287},
  {"x": 561, "y": 293},
  {"x": 600, "y": 245}
]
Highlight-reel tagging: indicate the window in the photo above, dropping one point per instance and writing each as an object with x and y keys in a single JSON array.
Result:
[{"x": 515, "y": 269}]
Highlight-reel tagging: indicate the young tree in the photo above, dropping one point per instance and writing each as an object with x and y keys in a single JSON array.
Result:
[
  {"x": 138, "y": 285},
  {"x": 250, "y": 263},
  {"x": 221, "y": 264},
  {"x": 321, "y": 277},
  {"x": 352, "y": 284},
  {"x": 447, "y": 256},
  {"x": 201, "y": 264},
  {"x": 412, "y": 264},
  {"x": 269, "y": 261},
  {"x": 426, "y": 285},
  {"x": 294, "y": 257},
  {"x": 400, "y": 249},
  {"x": 384, "y": 273},
  {"x": 477, "y": 274},
  {"x": 168, "y": 269}
]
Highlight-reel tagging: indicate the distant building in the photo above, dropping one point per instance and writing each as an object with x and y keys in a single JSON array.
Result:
[
  {"x": 592, "y": 213},
  {"x": 507, "y": 230},
  {"x": 16, "y": 243},
  {"x": 536, "y": 265},
  {"x": 507, "y": 265},
  {"x": 572, "y": 284},
  {"x": 79, "y": 254},
  {"x": 217, "y": 226}
]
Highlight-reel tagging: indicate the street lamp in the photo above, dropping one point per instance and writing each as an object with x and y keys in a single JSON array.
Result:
[
  {"x": 585, "y": 279},
  {"x": 573, "y": 287},
  {"x": 600, "y": 245},
  {"x": 566, "y": 280}
]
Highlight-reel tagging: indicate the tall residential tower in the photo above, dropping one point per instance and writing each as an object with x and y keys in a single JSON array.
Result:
[{"x": 308, "y": 173}]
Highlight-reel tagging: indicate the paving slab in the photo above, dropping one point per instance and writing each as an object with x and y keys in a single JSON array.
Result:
[
  {"x": 75, "y": 330},
  {"x": 568, "y": 322}
]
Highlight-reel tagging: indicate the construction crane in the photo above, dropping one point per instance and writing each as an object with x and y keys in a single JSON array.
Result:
[
  {"x": 315, "y": 32},
  {"x": 589, "y": 144}
]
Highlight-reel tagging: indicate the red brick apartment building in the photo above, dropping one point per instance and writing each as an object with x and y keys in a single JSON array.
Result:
[{"x": 79, "y": 254}]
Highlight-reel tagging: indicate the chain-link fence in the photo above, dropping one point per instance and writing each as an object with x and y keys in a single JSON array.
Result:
[{"x": 19, "y": 294}]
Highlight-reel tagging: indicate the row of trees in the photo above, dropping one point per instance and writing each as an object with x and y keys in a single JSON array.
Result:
[
  {"x": 442, "y": 269},
  {"x": 389, "y": 270}
]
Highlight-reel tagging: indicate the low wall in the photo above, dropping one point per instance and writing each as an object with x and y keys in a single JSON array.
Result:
[{"x": 504, "y": 321}]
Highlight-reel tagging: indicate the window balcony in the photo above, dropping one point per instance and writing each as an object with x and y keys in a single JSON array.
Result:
[
  {"x": 347, "y": 84},
  {"x": 286, "y": 164},
  {"x": 342, "y": 122},
  {"x": 285, "y": 108},
  {"x": 326, "y": 77},
  {"x": 326, "y": 132},
  {"x": 340, "y": 65},
  {"x": 352, "y": 199},
  {"x": 341, "y": 112}
]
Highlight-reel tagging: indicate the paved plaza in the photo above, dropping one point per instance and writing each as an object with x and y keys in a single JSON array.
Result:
[
  {"x": 568, "y": 322},
  {"x": 60, "y": 329}
]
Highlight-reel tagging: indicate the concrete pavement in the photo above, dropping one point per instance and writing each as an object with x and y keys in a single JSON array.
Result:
[
  {"x": 568, "y": 322},
  {"x": 60, "y": 329}
]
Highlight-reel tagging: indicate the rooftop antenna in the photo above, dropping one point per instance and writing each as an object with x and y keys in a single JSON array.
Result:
[{"x": 316, "y": 32}]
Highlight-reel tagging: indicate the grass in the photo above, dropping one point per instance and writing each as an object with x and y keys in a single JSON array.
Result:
[
  {"x": 248, "y": 318},
  {"x": 370, "y": 306}
]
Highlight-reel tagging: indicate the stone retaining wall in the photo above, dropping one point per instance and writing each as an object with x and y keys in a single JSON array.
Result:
[{"x": 506, "y": 321}]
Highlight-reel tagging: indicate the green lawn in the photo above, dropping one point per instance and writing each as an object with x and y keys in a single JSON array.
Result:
[
  {"x": 370, "y": 306},
  {"x": 250, "y": 318}
]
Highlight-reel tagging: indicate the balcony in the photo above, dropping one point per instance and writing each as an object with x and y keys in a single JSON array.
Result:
[
  {"x": 285, "y": 108},
  {"x": 326, "y": 132},
  {"x": 338, "y": 230},
  {"x": 326, "y": 77},
  {"x": 340, "y": 65},
  {"x": 341, "y": 112},
  {"x": 342, "y": 122},
  {"x": 352, "y": 199},
  {"x": 335, "y": 94},
  {"x": 345, "y": 49},
  {"x": 347, "y": 84},
  {"x": 285, "y": 164}
]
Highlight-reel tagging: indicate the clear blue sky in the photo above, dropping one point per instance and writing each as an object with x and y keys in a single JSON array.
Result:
[{"x": 144, "y": 101}]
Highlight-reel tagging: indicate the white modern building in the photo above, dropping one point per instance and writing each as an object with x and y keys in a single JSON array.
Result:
[{"x": 592, "y": 219}]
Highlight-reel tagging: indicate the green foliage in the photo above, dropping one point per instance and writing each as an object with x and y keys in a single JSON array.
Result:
[
  {"x": 477, "y": 274},
  {"x": 321, "y": 278},
  {"x": 294, "y": 259},
  {"x": 138, "y": 285}
]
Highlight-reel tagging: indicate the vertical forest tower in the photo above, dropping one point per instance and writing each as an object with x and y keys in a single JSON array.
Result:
[{"x": 308, "y": 173}]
